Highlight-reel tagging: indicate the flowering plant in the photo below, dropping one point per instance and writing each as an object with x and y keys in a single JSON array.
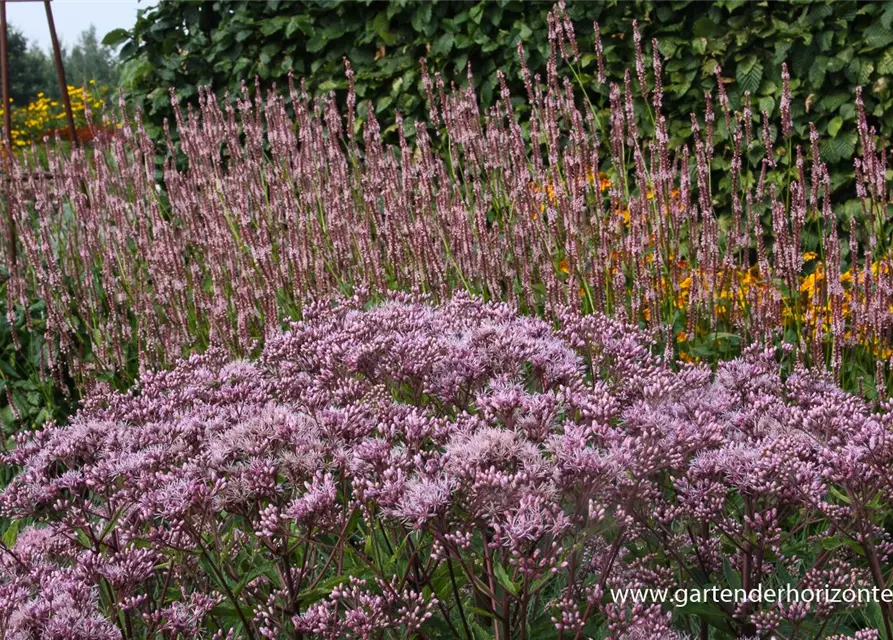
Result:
[
  {"x": 580, "y": 199},
  {"x": 45, "y": 117},
  {"x": 452, "y": 471}
]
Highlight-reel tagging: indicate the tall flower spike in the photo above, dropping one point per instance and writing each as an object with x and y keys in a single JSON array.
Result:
[
  {"x": 599, "y": 54},
  {"x": 787, "y": 126},
  {"x": 640, "y": 61}
]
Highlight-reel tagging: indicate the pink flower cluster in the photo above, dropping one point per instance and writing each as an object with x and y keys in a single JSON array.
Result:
[{"x": 445, "y": 472}]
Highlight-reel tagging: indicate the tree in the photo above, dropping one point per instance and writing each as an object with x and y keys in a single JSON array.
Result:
[
  {"x": 30, "y": 69},
  {"x": 90, "y": 60}
]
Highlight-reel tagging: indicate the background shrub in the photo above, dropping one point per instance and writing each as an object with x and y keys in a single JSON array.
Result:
[{"x": 831, "y": 48}]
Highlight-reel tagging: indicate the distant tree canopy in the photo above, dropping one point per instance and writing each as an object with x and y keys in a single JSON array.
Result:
[
  {"x": 89, "y": 59},
  {"x": 31, "y": 69}
]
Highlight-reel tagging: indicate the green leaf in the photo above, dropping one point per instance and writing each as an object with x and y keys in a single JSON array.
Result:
[
  {"x": 421, "y": 18},
  {"x": 269, "y": 27},
  {"x": 12, "y": 533},
  {"x": 115, "y": 37},
  {"x": 885, "y": 64},
  {"x": 747, "y": 63},
  {"x": 481, "y": 612},
  {"x": 479, "y": 632},
  {"x": 876, "y": 617},
  {"x": 539, "y": 583},
  {"x": 299, "y": 23},
  {"x": 226, "y": 611},
  {"x": 381, "y": 26},
  {"x": 733, "y": 580},
  {"x": 817, "y": 72},
  {"x": 834, "y": 126},
  {"x": 134, "y": 71},
  {"x": 839, "y": 148},
  {"x": 703, "y": 27},
  {"x": 262, "y": 568},
  {"x": 749, "y": 74},
  {"x": 865, "y": 72},
  {"x": 505, "y": 580},
  {"x": 383, "y": 103},
  {"x": 316, "y": 43},
  {"x": 442, "y": 45},
  {"x": 887, "y": 15},
  {"x": 476, "y": 13},
  {"x": 877, "y": 35},
  {"x": 705, "y": 609}
]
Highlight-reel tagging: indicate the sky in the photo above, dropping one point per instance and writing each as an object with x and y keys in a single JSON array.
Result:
[{"x": 72, "y": 17}]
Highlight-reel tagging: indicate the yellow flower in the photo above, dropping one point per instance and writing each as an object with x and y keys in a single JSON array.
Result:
[
  {"x": 809, "y": 256},
  {"x": 550, "y": 191},
  {"x": 810, "y": 282},
  {"x": 624, "y": 213}
]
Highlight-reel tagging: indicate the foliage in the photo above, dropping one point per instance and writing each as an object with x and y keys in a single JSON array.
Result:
[
  {"x": 831, "y": 48},
  {"x": 32, "y": 72},
  {"x": 89, "y": 60},
  {"x": 30, "y": 394},
  {"x": 28, "y": 68},
  {"x": 451, "y": 472},
  {"x": 600, "y": 215}
]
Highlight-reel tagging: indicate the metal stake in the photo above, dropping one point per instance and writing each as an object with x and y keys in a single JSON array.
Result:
[
  {"x": 63, "y": 86},
  {"x": 4, "y": 64},
  {"x": 7, "y": 129}
]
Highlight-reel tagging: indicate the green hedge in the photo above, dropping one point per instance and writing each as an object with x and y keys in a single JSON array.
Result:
[{"x": 831, "y": 48}]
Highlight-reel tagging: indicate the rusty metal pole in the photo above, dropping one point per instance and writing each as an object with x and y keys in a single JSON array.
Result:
[
  {"x": 7, "y": 128},
  {"x": 4, "y": 63},
  {"x": 63, "y": 85}
]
